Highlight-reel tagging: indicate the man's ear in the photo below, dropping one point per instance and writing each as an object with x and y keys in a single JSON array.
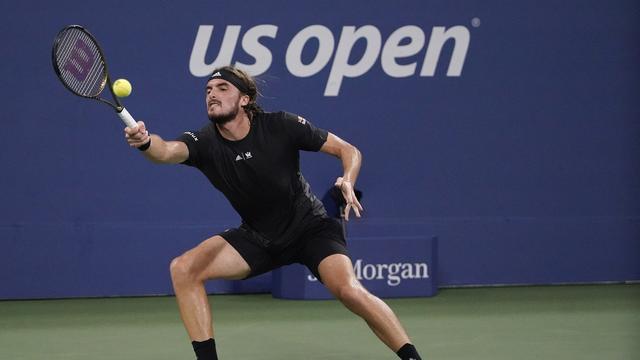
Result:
[{"x": 244, "y": 100}]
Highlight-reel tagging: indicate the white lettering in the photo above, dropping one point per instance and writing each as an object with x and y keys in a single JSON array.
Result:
[
  {"x": 357, "y": 269},
  {"x": 381, "y": 270},
  {"x": 341, "y": 67},
  {"x": 393, "y": 50},
  {"x": 407, "y": 271},
  {"x": 197, "y": 64},
  {"x": 422, "y": 271},
  {"x": 439, "y": 36},
  {"x": 369, "y": 272},
  {"x": 294, "y": 51},
  {"x": 393, "y": 279},
  {"x": 253, "y": 47},
  {"x": 393, "y": 273},
  {"x": 195, "y": 138}
]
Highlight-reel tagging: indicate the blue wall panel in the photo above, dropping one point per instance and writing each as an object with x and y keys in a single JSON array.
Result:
[{"x": 522, "y": 157}]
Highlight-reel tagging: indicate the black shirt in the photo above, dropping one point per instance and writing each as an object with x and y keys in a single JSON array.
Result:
[{"x": 260, "y": 174}]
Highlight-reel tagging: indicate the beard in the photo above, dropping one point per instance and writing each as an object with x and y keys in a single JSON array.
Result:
[{"x": 225, "y": 118}]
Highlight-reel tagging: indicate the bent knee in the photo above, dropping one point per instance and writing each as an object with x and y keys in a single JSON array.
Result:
[
  {"x": 351, "y": 293},
  {"x": 181, "y": 268}
]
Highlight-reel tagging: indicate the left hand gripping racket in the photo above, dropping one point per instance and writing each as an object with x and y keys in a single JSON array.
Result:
[{"x": 79, "y": 62}]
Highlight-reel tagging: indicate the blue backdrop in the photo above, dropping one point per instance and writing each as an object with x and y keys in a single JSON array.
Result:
[{"x": 508, "y": 129}]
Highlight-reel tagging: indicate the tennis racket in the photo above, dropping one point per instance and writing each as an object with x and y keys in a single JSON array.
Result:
[{"x": 79, "y": 63}]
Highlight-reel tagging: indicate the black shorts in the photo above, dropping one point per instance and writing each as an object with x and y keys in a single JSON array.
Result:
[{"x": 314, "y": 241}]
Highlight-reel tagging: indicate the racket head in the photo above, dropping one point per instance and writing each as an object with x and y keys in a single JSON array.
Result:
[{"x": 80, "y": 64}]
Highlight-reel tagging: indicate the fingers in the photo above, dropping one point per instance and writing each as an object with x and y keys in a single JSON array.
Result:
[
  {"x": 351, "y": 200},
  {"x": 138, "y": 139},
  {"x": 137, "y": 136},
  {"x": 140, "y": 128},
  {"x": 355, "y": 206}
]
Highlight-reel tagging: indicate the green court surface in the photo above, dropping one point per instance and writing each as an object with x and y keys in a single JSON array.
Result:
[{"x": 552, "y": 322}]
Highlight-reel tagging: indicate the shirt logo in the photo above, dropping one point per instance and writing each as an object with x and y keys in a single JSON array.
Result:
[
  {"x": 244, "y": 156},
  {"x": 192, "y": 135}
]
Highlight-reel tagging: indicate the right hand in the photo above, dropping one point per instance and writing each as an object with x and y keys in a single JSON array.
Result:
[{"x": 138, "y": 136}]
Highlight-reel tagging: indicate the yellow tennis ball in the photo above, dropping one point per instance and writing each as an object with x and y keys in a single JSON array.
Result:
[{"x": 122, "y": 88}]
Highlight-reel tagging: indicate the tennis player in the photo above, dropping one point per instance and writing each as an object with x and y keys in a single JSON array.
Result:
[{"x": 252, "y": 157}]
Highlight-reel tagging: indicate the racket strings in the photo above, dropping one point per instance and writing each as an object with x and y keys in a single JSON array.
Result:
[
  {"x": 80, "y": 63},
  {"x": 83, "y": 78}
]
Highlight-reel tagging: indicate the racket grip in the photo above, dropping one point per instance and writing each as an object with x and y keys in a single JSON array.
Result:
[{"x": 127, "y": 119}]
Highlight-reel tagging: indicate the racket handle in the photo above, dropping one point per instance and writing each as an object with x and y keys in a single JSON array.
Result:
[{"x": 127, "y": 119}]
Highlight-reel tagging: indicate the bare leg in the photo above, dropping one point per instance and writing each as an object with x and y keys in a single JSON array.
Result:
[
  {"x": 214, "y": 258},
  {"x": 337, "y": 274}
]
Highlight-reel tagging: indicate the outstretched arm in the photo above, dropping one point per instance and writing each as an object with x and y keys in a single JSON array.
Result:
[
  {"x": 159, "y": 151},
  {"x": 351, "y": 160}
]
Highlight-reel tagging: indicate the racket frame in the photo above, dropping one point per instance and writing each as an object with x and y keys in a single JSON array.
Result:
[{"x": 116, "y": 104}]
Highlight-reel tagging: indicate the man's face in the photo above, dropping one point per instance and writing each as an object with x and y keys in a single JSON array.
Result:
[{"x": 223, "y": 101}]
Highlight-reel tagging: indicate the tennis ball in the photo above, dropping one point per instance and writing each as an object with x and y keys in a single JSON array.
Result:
[{"x": 122, "y": 88}]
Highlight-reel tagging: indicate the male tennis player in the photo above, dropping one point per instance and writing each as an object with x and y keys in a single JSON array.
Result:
[{"x": 252, "y": 157}]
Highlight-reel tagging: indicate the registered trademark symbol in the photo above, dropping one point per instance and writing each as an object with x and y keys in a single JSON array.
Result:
[{"x": 475, "y": 22}]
